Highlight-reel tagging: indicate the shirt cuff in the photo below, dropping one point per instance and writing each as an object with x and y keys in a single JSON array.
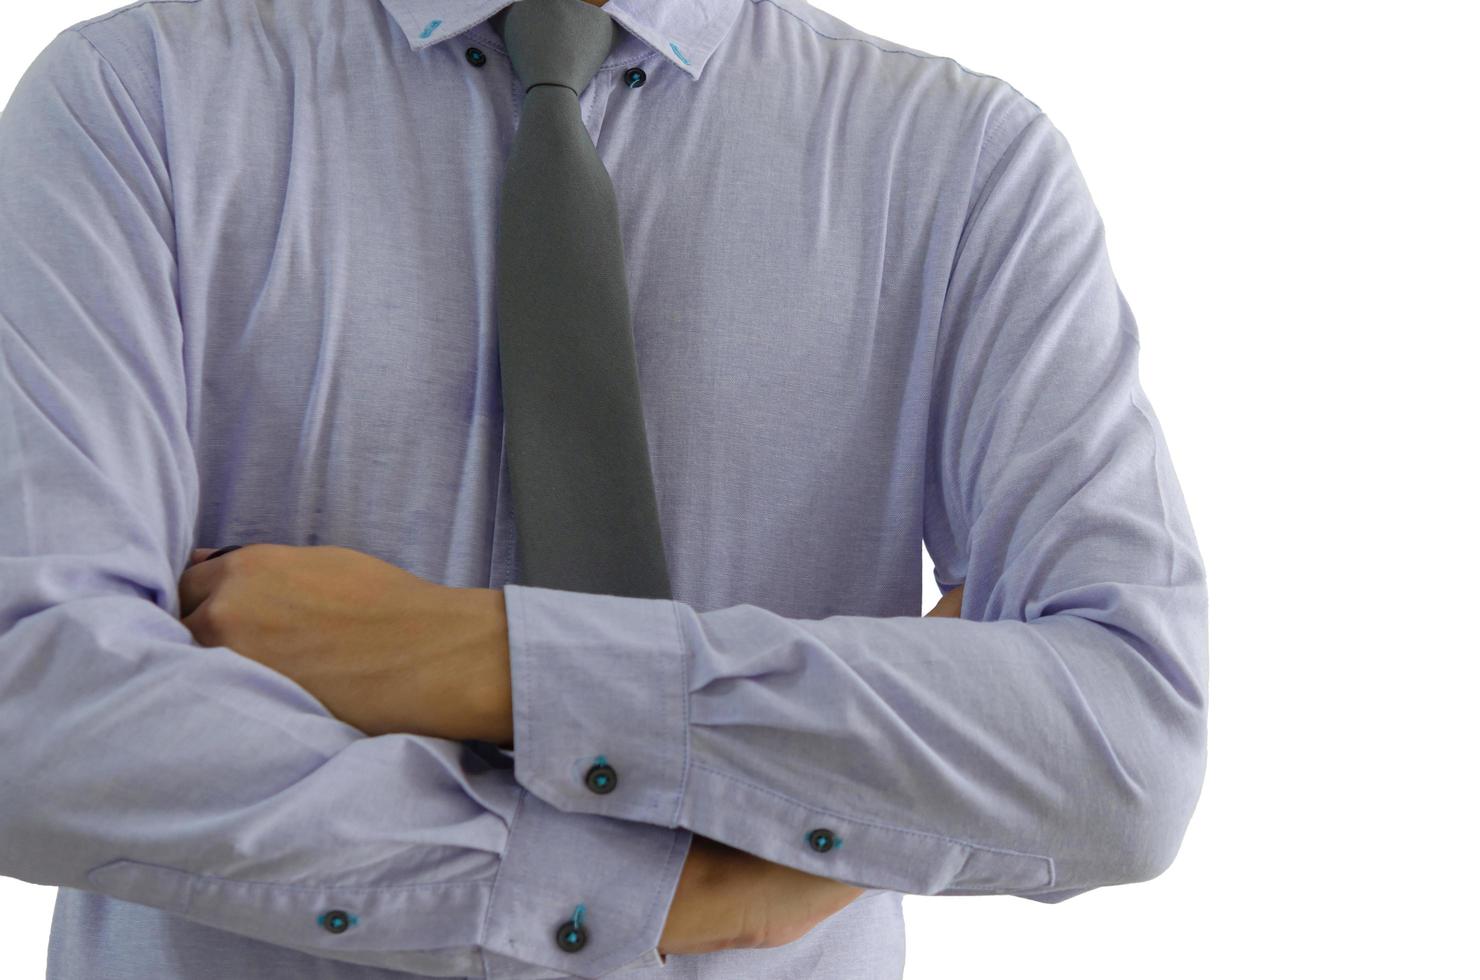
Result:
[
  {"x": 621, "y": 875},
  {"x": 600, "y": 696}
]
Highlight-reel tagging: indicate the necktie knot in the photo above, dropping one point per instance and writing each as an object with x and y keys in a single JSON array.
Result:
[{"x": 556, "y": 42}]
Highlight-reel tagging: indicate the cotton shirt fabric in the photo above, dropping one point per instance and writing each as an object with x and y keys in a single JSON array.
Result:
[{"x": 246, "y": 296}]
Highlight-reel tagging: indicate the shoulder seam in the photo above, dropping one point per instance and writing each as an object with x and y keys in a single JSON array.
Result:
[
  {"x": 80, "y": 32},
  {"x": 864, "y": 40},
  {"x": 123, "y": 81},
  {"x": 77, "y": 29},
  {"x": 104, "y": 17}
]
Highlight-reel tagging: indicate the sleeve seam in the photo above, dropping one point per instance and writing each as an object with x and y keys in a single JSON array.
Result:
[
  {"x": 979, "y": 200},
  {"x": 161, "y": 145},
  {"x": 974, "y": 209},
  {"x": 872, "y": 821},
  {"x": 156, "y": 117},
  {"x": 1157, "y": 474}
]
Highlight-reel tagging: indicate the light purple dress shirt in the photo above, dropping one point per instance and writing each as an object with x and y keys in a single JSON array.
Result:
[{"x": 246, "y": 295}]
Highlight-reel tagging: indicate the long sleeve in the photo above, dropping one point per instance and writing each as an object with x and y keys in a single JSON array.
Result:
[
  {"x": 1051, "y": 739},
  {"x": 136, "y": 763}
]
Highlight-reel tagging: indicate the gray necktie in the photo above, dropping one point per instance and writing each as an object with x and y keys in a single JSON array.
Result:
[{"x": 585, "y": 513}]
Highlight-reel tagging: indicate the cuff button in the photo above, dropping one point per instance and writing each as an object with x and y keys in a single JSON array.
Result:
[
  {"x": 601, "y": 778},
  {"x": 571, "y": 936},
  {"x": 823, "y": 840},
  {"x": 336, "y": 920}
]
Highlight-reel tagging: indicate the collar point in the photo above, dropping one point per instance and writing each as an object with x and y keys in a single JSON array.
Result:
[{"x": 690, "y": 64}]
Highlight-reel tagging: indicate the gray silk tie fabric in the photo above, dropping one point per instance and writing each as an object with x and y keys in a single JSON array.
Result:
[{"x": 581, "y": 483}]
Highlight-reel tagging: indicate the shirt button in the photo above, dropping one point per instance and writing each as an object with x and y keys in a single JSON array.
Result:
[
  {"x": 822, "y": 839},
  {"x": 601, "y": 778},
  {"x": 571, "y": 935},
  {"x": 336, "y": 920},
  {"x": 635, "y": 77},
  {"x": 476, "y": 57}
]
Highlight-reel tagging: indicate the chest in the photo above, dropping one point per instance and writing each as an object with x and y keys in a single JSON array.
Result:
[{"x": 337, "y": 286}]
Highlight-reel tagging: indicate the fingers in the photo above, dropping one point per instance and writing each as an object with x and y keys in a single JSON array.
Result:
[
  {"x": 200, "y": 579},
  {"x": 949, "y": 604},
  {"x": 205, "y": 554}
]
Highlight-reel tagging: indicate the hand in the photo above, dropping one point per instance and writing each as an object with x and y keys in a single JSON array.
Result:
[
  {"x": 728, "y": 898},
  {"x": 949, "y": 604},
  {"x": 731, "y": 899},
  {"x": 382, "y": 649}
]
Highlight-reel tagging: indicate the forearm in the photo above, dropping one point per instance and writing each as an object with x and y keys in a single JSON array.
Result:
[
  {"x": 943, "y": 756},
  {"x": 204, "y": 784}
]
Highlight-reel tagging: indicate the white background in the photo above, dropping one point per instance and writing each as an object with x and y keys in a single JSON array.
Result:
[{"x": 1289, "y": 191}]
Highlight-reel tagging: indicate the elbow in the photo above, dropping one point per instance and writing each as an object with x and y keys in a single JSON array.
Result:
[
  {"x": 1126, "y": 802},
  {"x": 1169, "y": 764},
  {"x": 22, "y": 827},
  {"x": 1130, "y": 831},
  {"x": 1156, "y": 841},
  {"x": 1157, "y": 822}
]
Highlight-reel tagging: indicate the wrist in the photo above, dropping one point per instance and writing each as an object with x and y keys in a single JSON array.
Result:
[{"x": 478, "y": 685}]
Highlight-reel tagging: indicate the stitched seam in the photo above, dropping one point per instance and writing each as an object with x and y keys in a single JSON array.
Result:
[
  {"x": 667, "y": 860},
  {"x": 140, "y": 65},
  {"x": 980, "y": 202},
  {"x": 976, "y": 208},
  {"x": 862, "y": 40},
  {"x": 149, "y": 82},
  {"x": 285, "y": 886},
  {"x": 522, "y": 725},
  {"x": 683, "y": 780},
  {"x": 492, "y": 39},
  {"x": 483, "y": 932},
  {"x": 703, "y": 50},
  {"x": 871, "y": 821},
  {"x": 481, "y": 30},
  {"x": 1156, "y": 464},
  {"x": 977, "y": 203},
  {"x": 124, "y": 10},
  {"x": 452, "y": 35}
]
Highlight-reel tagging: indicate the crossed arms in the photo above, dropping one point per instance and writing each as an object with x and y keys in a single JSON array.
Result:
[{"x": 1048, "y": 740}]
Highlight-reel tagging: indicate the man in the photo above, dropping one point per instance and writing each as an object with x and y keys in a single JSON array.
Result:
[{"x": 248, "y": 290}]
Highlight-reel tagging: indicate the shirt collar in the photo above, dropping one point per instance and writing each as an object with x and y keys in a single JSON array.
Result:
[{"x": 686, "y": 32}]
